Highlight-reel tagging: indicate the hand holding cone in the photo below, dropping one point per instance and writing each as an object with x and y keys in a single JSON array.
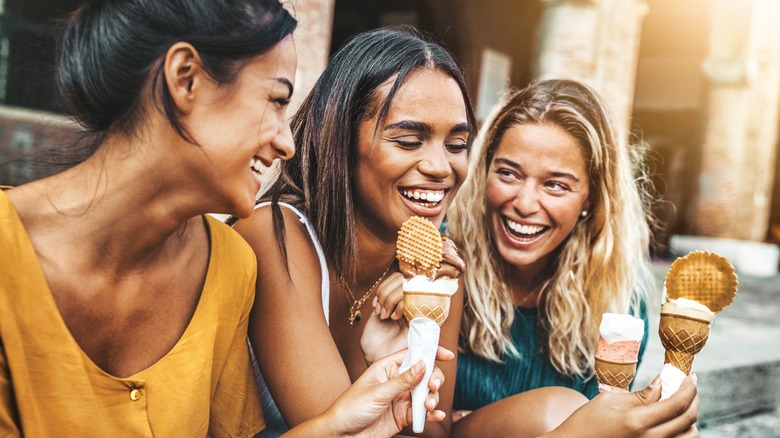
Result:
[{"x": 426, "y": 301}]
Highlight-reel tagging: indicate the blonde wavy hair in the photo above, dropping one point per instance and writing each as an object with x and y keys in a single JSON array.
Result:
[{"x": 603, "y": 266}]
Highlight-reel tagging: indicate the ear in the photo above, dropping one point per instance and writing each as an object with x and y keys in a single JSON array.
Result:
[
  {"x": 586, "y": 206},
  {"x": 184, "y": 75}
]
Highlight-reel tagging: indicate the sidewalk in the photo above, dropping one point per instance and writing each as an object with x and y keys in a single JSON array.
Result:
[{"x": 739, "y": 367}]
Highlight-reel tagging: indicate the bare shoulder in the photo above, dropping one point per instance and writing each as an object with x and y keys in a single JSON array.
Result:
[{"x": 259, "y": 231}]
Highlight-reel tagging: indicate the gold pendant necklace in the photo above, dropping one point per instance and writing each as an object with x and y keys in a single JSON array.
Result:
[{"x": 354, "y": 309}]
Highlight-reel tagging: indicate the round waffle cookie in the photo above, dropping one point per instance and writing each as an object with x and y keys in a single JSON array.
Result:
[
  {"x": 702, "y": 276},
  {"x": 419, "y": 244}
]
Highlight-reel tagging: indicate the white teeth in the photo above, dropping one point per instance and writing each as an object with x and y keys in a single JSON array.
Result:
[
  {"x": 523, "y": 229},
  {"x": 257, "y": 166},
  {"x": 427, "y": 196}
]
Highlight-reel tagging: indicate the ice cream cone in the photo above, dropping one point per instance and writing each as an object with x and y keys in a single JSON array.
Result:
[
  {"x": 682, "y": 336},
  {"x": 697, "y": 287},
  {"x": 426, "y": 300},
  {"x": 617, "y": 374},
  {"x": 430, "y": 305}
]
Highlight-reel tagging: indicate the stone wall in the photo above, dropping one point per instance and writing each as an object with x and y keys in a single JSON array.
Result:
[
  {"x": 734, "y": 190},
  {"x": 595, "y": 42}
]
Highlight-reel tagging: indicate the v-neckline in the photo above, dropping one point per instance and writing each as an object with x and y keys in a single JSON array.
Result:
[{"x": 48, "y": 298}]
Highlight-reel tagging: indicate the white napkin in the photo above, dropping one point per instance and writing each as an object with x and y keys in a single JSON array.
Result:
[
  {"x": 671, "y": 379},
  {"x": 423, "y": 341}
]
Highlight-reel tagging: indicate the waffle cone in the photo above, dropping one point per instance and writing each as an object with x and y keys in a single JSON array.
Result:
[
  {"x": 702, "y": 276},
  {"x": 617, "y": 374},
  {"x": 682, "y": 337},
  {"x": 430, "y": 305},
  {"x": 419, "y": 244}
]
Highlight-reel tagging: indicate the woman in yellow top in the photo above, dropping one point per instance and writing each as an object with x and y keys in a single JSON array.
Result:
[{"x": 123, "y": 308}]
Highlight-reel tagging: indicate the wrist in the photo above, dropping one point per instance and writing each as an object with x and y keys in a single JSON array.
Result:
[
  {"x": 328, "y": 423},
  {"x": 369, "y": 358},
  {"x": 321, "y": 425}
]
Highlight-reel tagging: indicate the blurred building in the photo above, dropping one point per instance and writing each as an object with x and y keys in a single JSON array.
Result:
[{"x": 698, "y": 81}]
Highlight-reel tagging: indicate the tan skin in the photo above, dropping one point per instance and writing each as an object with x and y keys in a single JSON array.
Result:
[
  {"x": 399, "y": 157},
  {"x": 538, "y": 180},
  {"x": 125, "y": 250},
  {"x": 120, "y": 239}
]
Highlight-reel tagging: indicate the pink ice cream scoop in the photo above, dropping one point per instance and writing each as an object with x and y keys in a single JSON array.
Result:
[
  {"x": 621, "y": 351},
  {"x": 618, "y": 349}
]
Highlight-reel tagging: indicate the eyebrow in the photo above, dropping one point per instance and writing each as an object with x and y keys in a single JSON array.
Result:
[
  {"x": 424, "y": 127},
  {"x": 289, "y": 85},
  {"x": 518, "y": 166}
]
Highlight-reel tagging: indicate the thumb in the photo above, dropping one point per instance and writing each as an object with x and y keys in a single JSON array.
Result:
[
  {"x": 401, "y": 383},
  {"x": 651, "y": 394}
]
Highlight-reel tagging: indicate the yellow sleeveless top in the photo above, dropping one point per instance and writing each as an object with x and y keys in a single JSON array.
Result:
[{"x": 204, "y": 386}]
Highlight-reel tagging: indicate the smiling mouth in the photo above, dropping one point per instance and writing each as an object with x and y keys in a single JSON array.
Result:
[
  {"x": 425, "y": 198},
  {"x": 523, "y": 233},
  {"x": 257, "y": 167}
]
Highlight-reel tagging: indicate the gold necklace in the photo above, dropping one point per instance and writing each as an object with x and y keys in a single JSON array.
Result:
[{"x": 354, "y": 309}]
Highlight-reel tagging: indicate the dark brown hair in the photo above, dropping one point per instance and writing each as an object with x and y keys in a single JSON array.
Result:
[{"x": 318, "y": 180}]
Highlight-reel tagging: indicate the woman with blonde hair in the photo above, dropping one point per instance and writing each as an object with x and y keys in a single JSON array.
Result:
[{"x": 552, "y": 224}]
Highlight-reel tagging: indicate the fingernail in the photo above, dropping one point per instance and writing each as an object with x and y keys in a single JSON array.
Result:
[
  {"x": 695, "y": 379},
  {"x": 418, "y": 367},
  {"x": 604, "y": 388},
  {"x": 383, "y": 315},
  {"x": 376, "y": 300},
  {"x": 437, "y": 383},
  {"x": 656, "y": 381}
]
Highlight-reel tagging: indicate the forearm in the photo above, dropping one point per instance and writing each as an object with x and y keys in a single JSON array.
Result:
[{"x": 321, "y": 425}]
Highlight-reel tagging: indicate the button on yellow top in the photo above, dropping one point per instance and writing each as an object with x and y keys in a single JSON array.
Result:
[{"x": 135, "y": 394}]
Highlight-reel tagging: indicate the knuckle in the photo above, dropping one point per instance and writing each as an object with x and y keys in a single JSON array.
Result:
[
  {"x": 680, "y": 407},
  {"x": 633, "y": 424}
]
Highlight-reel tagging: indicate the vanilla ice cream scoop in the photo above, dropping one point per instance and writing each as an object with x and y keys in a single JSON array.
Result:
[
  {"x": 616, "y": 327},
  {"x": 691, "y": 308}
]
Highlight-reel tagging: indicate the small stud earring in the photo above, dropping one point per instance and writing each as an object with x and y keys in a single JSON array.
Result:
[{"x": 584, "y": 213}]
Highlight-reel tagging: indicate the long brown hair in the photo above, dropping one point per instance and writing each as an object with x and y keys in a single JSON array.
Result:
[{"x": 318, "y": 180}]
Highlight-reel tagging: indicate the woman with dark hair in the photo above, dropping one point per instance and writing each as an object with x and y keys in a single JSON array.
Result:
[
  {"x": 123, "y": 306},
  {"x": 382, "y": 136}
]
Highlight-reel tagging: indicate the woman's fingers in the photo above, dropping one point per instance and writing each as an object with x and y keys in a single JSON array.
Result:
[
  {"x": 457, "y": 415},
  {"x": 436, "y": 380},
  {"x": 442, "y": 354},
  {"x": 674, "y": 415},
  {"x": 434, "y": 416},
  {"x": 607, "y": 388},
  {"x": 390, "y": 297}
]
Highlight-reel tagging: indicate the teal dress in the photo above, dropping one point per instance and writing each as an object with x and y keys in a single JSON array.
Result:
[{"x": 481, "y": 382}]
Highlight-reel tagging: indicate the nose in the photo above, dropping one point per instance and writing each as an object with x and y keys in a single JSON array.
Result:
[
  {"x": 527, "y": 201},
  {"x": 435, "y": 163},
  {"x": 283, "y": 144}
]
